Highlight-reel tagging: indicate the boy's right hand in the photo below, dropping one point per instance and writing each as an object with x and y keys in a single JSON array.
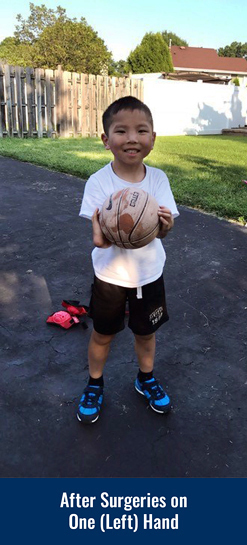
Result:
[{"x": 99, "y": 238}]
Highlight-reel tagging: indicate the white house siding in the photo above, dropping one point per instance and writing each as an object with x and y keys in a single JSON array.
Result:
[{"x": 181, "y": 108}]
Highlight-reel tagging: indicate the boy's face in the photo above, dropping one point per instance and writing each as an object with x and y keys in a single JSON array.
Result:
[{"x": 130, "y": 138}]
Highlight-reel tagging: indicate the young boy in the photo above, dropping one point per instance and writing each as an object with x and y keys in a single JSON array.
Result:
[{"x": 124, "y": 275}]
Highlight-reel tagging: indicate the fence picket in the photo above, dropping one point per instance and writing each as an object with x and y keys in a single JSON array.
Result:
[
  {"x": 83, "y": 105},
  {"x": 49, "y": 79},
  {"x": 92, "y": 104},
  {"x": 100, "y": 103},
  {"x": 75, "y": 113},
  {"x": 3, "y": 127},
  {"x": 19, "y": 99},
  {"x": 31, "y": 103},
  {"x": 7, "y": 70},
  {"x": 38, "y": 84},
  {"x": 58, "y": 94},
  {"x": 66, "y": 105}
]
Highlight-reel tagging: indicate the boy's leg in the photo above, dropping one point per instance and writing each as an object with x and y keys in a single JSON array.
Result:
[
  {"x": 145, "y": 351},
  {"x": 92, "y": 397},
  {"x": 145, "y": 382},
  {"x": 107, "y": 309},
  {"x": 146, "y": 314},
  {"x": 98, "y": 350}
]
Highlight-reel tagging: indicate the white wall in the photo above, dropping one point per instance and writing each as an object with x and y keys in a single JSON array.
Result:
[{"x": 180, "y": 108}]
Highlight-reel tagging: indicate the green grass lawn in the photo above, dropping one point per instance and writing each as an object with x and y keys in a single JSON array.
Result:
[{"x": 205, "y": 172}]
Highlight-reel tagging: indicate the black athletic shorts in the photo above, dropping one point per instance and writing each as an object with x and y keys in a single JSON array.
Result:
[{"x": 145, "y": 315}]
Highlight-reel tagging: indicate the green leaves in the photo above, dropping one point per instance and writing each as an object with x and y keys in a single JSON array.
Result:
[
  {"x": 73, "y": 45},
  {"x": 175, "y": 40},
  {"x": 152, "y": 55},
  {"x": 15, "y": 53},
  {"x": 235, "y": 49},
  {"x": 48, "y": 38},
  {"x": 40, "y": 17}
]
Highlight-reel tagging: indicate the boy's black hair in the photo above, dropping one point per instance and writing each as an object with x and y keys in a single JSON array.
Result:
[{"x": 124, "y": 103}]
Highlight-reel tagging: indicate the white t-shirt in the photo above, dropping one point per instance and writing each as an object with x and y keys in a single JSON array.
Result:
[{"x": 128, "y": 268}]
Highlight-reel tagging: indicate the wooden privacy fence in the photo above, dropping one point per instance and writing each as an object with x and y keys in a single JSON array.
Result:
[{"x": 46, "y": 103}]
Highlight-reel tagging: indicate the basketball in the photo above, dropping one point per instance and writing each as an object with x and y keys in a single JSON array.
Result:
[{"x": 129, "y": 218}]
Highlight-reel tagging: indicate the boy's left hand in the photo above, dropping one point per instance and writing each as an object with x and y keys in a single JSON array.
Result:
[{"x": 166, "y": 220}]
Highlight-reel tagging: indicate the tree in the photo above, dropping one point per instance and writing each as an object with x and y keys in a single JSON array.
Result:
[
  {"x": 48, "y": 38},
  {"x": 73, "y": 45},
  {"x": 118, "y": 68},
  {"x": 152, "y": 55},
  {"x": 235, "y": 49},
  {"x": 40, "y": 17},
  {"x": 175, "y": 40},
  {"x": 15, "y": 53}
]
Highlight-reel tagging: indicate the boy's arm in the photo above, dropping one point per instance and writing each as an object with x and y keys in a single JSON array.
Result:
[
  {"x": 166, "y": 221},
  {"x": 99, "y": 238}
]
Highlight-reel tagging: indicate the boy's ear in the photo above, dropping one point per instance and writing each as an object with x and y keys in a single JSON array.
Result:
[{"x": 104, "y": 139}]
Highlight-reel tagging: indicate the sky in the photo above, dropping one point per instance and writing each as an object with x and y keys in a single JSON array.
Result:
[{"x": 122, "y": 24}]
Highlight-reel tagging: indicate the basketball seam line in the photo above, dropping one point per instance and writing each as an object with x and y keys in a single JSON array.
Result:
[
  {"x": 129, "y": 241},
  {"x": 138, "y": 219},
  {"x": 150, "y": 233},
  {"x": 108, "y": 230},
  {"x": 118, "y": 226}
]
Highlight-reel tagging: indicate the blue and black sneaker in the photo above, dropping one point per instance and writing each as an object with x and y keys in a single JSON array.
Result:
[
  {"x": 90, "y": 404},
  {"x": 154, "y": 393}
]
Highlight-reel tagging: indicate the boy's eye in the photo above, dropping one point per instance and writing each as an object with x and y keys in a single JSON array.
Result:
[
  {"x": 143, "y": 130},
  {"x": 120, "y": 131}
]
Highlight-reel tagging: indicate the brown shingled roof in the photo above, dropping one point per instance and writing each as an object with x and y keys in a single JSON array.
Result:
[{"x": 202, "y": 58}]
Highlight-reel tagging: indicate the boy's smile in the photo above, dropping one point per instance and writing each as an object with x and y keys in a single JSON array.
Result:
[{"x": 130, "y": 138}]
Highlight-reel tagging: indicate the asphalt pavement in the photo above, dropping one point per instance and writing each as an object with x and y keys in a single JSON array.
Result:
[{"x": 201, "y": 352}]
